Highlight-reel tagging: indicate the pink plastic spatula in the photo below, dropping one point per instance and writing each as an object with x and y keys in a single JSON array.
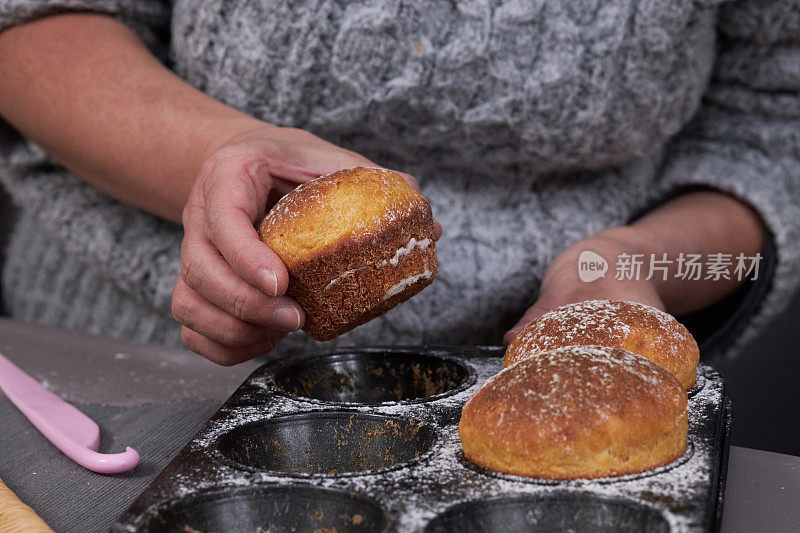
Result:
[{"x": 71, "y": 431}]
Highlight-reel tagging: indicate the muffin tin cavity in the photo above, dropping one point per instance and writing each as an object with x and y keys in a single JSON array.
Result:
[
  {"x": 273, "y": 509},
  {"x": 366, "y": 439},
  {"x": 326, "y": 443},
  {"x": 372, "y": 378},
  {"x": 552, "y": 512}
]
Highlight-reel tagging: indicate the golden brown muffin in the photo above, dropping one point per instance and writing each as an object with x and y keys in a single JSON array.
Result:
[
  {"x": 356, "y": 243},
  {"x": 630, "y": 326},
  {"x": 576, "y": 412}
]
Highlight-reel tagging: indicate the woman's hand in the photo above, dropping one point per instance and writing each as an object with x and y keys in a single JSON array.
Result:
[
  {"x": 702, "y": 222},
  {"x": 561, "y": 284},
  {"x": 87, "y": 90},
  {"x": 230, "y": 293}
]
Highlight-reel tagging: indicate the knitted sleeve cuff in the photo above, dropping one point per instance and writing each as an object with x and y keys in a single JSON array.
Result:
[
  {"x": 773, "y": 190},
  {"x": 744, "y": 142}
]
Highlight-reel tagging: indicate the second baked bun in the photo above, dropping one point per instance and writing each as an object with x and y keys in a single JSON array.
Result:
[
  {"x": 630, "y": 326},
  {"x": 576, "y": 412},
  {"x": 356, "y": 243}
]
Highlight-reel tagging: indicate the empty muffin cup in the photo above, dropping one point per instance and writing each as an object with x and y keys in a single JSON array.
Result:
[
  {"x": 326, "y": 443},
  {"x": 273, "y": 509},
  {"x": 553, "y": 512},
  {"x": 373, "y": 378}
]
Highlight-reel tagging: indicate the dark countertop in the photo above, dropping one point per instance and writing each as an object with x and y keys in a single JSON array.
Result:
[{"x": 155, "y": 400}]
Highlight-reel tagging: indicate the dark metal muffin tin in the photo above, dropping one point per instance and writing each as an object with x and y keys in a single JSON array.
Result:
[{"x": 367, "y": 440}]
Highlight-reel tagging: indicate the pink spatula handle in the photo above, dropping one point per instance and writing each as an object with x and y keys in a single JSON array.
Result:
[{"x": 71, "y": 431}]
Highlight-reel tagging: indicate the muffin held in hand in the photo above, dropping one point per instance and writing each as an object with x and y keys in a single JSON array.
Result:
[
  {"x": 576, "y": 412},
  {"x": 630, "y": 326},
  {"x": 356, "y": 243}
]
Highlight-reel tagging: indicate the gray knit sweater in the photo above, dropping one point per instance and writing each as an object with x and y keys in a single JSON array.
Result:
[{"x": 529, "y": 125}]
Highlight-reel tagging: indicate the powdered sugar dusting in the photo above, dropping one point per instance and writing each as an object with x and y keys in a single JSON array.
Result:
[
  {"x": 583, "y": 319},
  {"x": 401, "y": 252},
  {"x": 407, "y": 249},
  {"x": 418, "y": 492},
  {"x": 566, "y": 393},
  {"x": 405, "y": 283},
  {"x": 607, "y": 323},
  {"x": 312, "y": 196},
  {"x": 340, "y": 277}
]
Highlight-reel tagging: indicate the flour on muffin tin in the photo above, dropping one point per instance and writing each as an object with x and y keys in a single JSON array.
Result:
[{"x": 416, "y": 493}]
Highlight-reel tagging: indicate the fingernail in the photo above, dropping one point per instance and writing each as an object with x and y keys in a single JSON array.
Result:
[
  {"x": 268, "y": 281},
  {"x": 287, "y": 318},
  {"x": 261, "y": 349}
]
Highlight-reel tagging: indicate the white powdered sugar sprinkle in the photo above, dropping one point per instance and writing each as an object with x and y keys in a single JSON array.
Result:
[
  {"x": 439, "y": 478},
  {"x": 405, "y": 283},
  {"x": 576, "y": 323},
  {"x": 413, "y": 244},
  {"x": 340, "y": 277},
  {"x": 407, "y": 249}
]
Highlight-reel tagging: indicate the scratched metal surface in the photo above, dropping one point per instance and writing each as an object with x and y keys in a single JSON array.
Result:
[{"x": 268, "y": 443}]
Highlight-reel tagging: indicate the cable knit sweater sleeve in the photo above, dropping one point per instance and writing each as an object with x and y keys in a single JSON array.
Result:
[{"x": 745, "y": 140}]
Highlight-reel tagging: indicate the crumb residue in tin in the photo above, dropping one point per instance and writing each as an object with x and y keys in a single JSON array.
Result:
[{"x": 440, "y": 478}]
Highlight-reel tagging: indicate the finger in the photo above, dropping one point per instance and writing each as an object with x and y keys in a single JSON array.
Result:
[
  {"x": 409, "y": 179},
  {"x": 205, "y": 271},
  {"x": 231, "y": 231},
  {"x": 437, "y": 230},
  {"x": 221, "y": 354},
  {"x": 233, "y": 202},
  {"x": 200, "y": 315},
  {"x": 304, "y": 156}
]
